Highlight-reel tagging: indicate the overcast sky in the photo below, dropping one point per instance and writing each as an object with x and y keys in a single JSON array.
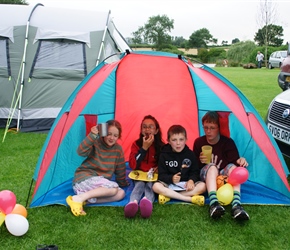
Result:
[{"x": 225, "y": 19}]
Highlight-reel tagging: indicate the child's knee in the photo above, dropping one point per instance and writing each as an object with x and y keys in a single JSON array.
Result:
[{"x": 121, "y": 194}]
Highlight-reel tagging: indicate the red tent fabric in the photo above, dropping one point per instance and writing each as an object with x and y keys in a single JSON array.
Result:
[{"x": 171, "y": 100}]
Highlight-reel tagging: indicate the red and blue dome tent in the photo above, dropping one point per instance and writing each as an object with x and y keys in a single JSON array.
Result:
[{"x": 175, "y": 92}]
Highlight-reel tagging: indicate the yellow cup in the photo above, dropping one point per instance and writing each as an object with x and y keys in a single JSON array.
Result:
[{"x": 207, "y": 151}]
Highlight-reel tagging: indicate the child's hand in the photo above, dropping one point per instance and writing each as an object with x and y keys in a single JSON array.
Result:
[
  {"x": 147, "y": 142},
  {"x": 202, "y": 158},
  {"x": 214, "y": 159},
  {"x": 189, "y": 185},
  {"x": 94, "y": 130},
  {"x": 242, "y": 162},
  {"x": 176, "y": 178}
]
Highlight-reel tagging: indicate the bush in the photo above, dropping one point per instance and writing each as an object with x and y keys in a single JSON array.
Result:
[
  {"x": 234, "y": 64},
  {"x": 212, "y": 55},
  {"x": 172, "y": 49},
  {"x": 216, "y": 54},
  {"x": 203, "y": 55},
  {"x": 241, "y": 52}
]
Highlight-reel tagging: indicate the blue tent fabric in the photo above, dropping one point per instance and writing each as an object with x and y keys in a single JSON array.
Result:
[{"x": 251, "y": 194}]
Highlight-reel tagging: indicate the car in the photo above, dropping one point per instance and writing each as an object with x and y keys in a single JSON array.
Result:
[
  {"x": 276, "y": 59},
  {"x": 284, "y": 75},
  {"x": 278, "y": 121}
]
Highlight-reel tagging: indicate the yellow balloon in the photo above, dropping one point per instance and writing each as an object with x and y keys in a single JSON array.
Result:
[
  {"x": 225, "y": 194},
  {"x": 2, "y": 218}
]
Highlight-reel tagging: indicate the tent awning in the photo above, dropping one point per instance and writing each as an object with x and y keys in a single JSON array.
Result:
[
  {"x": 58, "y": 34},
  {"x": 7, "y": 32}
]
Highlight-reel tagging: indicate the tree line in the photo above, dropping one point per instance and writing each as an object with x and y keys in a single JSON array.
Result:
[
  {"x": 155, "y": 33},
  {"x": 13, "y": 2}
]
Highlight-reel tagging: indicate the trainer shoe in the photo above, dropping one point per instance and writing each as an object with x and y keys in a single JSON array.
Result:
[
  {"x": 216, "y": 210},
  {"x": 198, "y": 200},
  {"x": 239, "y": 213}
]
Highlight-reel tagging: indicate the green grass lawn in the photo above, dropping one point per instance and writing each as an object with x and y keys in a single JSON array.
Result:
[{"x": 177, "y": 226}]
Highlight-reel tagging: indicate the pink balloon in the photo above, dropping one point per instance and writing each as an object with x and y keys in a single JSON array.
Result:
[
  {"x": 7, "y": 201},
  {"x": 238, "y": 176}
]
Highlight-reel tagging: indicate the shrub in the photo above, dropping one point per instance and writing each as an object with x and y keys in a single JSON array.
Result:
[
  {"x": 216, "y": 54},
  {"x": 241, "y": 52},
  {"x": 203, "y": 55}
]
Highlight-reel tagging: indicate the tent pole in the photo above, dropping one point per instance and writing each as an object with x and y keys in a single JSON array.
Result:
[
  {"x": 29, "y": 191},
  {"x": 103, "y": 39},
  {"x": 23, "y": 65}
]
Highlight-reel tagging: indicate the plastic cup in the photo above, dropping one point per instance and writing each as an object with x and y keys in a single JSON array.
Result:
[
  {"x": 207, "y": 151},
  {"x": 103, "y": 129}
]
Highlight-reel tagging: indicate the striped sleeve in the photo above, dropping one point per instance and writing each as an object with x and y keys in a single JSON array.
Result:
[{"x": 85, "y": 148}]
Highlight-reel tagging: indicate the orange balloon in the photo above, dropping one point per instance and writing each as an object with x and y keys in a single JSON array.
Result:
[{"x": 19, "y": 209}]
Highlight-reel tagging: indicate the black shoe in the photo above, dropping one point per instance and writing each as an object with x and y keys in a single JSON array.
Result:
[
  {"x": 239, "y": 213},
  {"x": 46, "y": 247},
  {"x": 216, "y": 210}
]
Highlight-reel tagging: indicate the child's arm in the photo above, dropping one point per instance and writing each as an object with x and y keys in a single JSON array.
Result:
[
  {"x": 120, "y": 172},
  {"x": 86, "y": 146},
  {"x": 136, "y": 156},
  {"x": 194, "y": 170}
]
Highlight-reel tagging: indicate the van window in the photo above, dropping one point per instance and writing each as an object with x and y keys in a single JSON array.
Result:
[{"x": 284, "y": 54}]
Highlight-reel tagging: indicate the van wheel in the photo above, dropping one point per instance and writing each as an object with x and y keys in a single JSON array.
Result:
[{"x": 270, "y": 66}]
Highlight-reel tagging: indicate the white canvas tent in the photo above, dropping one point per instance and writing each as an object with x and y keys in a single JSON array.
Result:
[{"x": 44, "y": 54}]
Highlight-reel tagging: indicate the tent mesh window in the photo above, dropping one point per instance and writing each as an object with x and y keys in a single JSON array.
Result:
[
  {"x": 61, "y": 55},
  {"x": 5, "y": 69}
]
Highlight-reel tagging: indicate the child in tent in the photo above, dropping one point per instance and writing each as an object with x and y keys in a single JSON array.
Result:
[
  {"x": 144, "y": 156},
  {"x": 92, "y": 180},
  {"x": 225, "y": 156},
  {"x": 178, "y": 172}
]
